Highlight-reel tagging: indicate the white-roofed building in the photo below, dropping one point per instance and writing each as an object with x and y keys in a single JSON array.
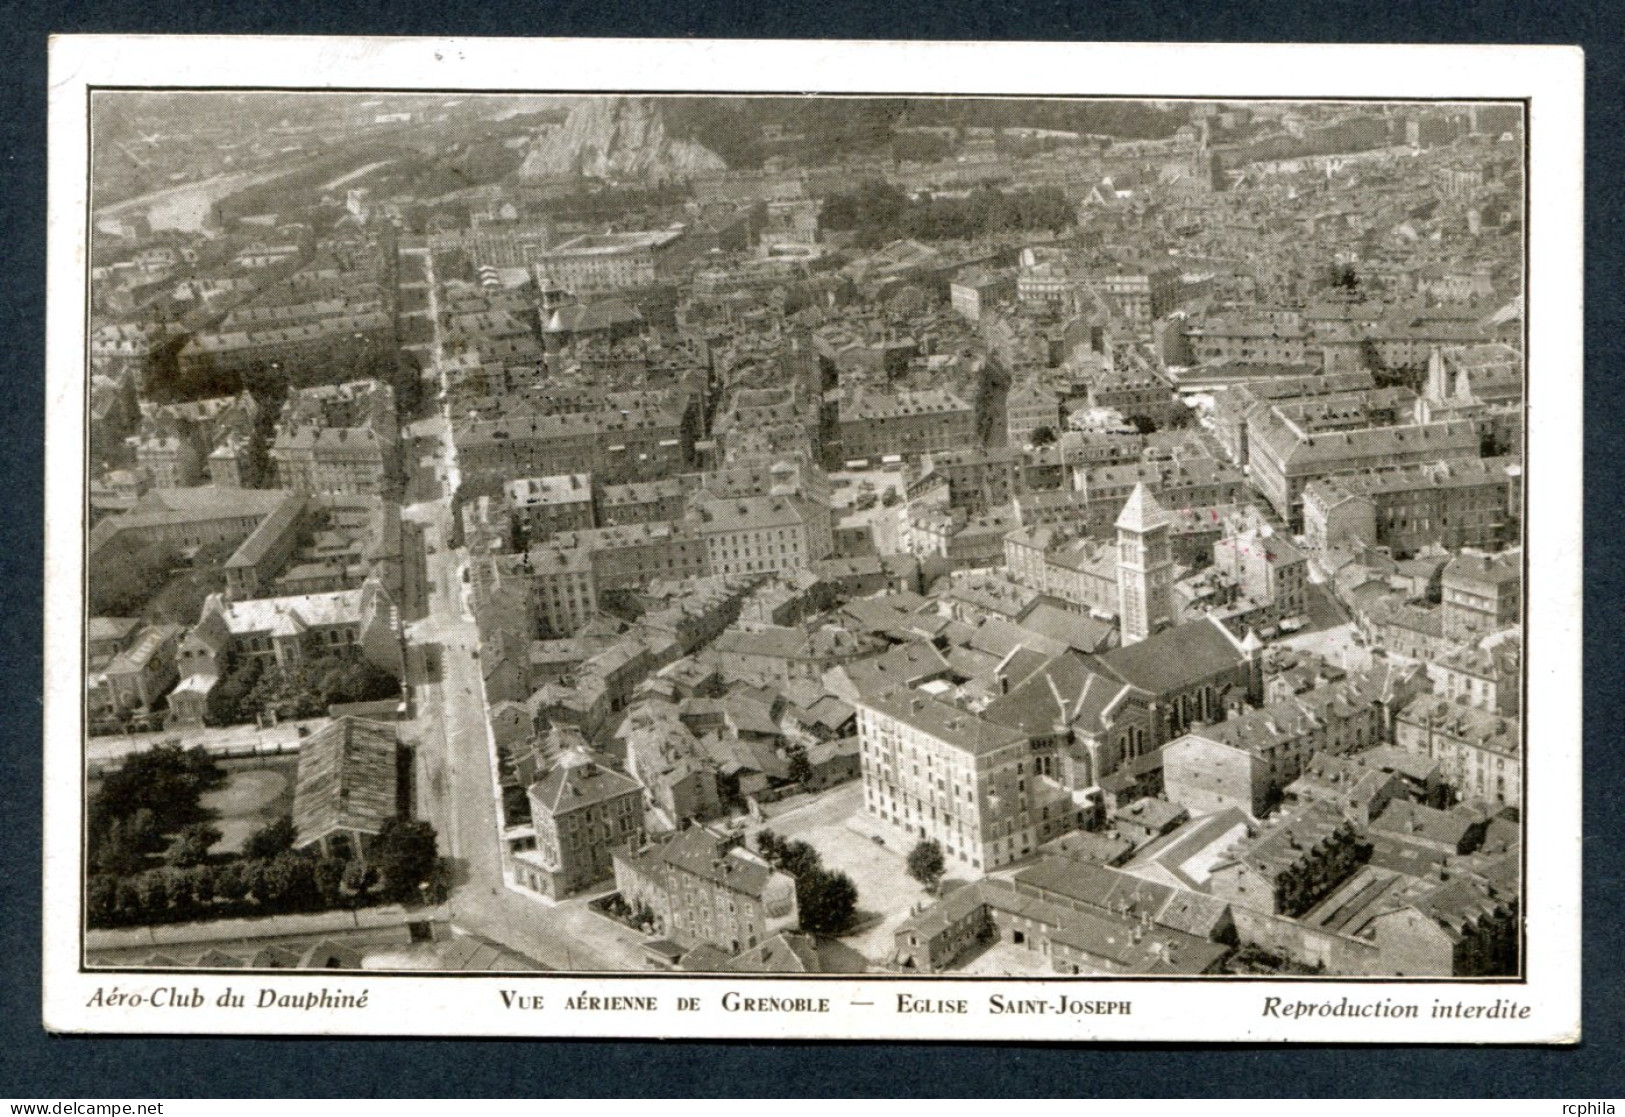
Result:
[{"x": 289, "y": 630}]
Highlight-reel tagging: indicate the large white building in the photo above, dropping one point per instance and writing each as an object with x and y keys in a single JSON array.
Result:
[
  {"x": 759, "y": 534},
  {"x": 936, "y": 771},
  {"x": 608, "y": 261}
]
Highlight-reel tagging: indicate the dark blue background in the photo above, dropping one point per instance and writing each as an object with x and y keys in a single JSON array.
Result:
[{"x": 33, "y": 1064}]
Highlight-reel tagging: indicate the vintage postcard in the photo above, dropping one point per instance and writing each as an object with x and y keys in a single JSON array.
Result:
[{"x": 814, "y": 540}]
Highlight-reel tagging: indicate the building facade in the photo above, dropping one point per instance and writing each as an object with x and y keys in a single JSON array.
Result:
[
  {"x": 938, "y": 772},
  {"x": 1479, "y": 752},
  {"x": 703, "y": 888},
  {"x": 1482, "y": 594},
  {"x": 540, "y": 507},
  {"x": 581, "y": 812}
]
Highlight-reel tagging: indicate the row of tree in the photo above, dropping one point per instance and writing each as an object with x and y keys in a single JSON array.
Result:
[
  {"x": 879, "y": 212},
  {"x": 824, "y": 129},
  {"x": 827, "y": 898},
  {"x": 285, "y": 884},
  {"x": 271, "y": 878}
]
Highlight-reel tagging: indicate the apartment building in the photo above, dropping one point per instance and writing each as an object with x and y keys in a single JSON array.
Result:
[
  {"x": 1479, "y": 751},
  {"x": 703, "y": 887},
  {"x": 1482, "y": 594},
  {"x": 936, "y": 771},
  {"x": 873, "y": 425},
  {"x": 337, "y": 439},
  {"x": 541, "y": 507},
  {"x": 758, "y": 534},
  {"x": 581, "y": 812}
]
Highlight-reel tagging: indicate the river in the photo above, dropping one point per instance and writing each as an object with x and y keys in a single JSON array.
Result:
[{"x": 185, "y": 207}]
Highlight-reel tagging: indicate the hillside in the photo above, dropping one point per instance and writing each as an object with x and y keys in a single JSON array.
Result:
[{"x": 615, "y": 137}]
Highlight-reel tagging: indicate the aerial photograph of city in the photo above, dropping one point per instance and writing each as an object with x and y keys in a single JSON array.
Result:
[{"x": 979, "y": 537}]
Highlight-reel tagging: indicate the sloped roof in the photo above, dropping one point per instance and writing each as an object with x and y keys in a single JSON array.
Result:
[
  {"x": 944, "y": 721},
  {"x": 1175, "y": 657},
  {"x": 286, "y": 616},
  {"x": 1405, "y": 819},
  {"x": 1186, "y": 853},
  {"x": 1141, "y": 512},
  {"x": 1063, "y": 692},
  {"x": 346, "y": 779},
  {"x": 697, "y": 851},
  {"x": 785, "y": 952},
  {"x": 907, "y": 664},
  {"x": 1080, "y": 631},
  {"x": 577, "y": 783}
]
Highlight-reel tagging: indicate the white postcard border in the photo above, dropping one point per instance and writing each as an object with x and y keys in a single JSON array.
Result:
[{"x": 1229, "y": 1009}]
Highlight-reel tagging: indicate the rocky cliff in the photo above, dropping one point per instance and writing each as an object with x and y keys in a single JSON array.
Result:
[{"x": 615, "y": 137}]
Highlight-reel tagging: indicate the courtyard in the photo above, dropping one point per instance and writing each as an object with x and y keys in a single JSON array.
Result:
[
  {"x": 1330, "y": 632},
  {"x": 835, "y": 825},
  {"x": 883, "y": 522},
  {"x": 1003, "y": 959}
]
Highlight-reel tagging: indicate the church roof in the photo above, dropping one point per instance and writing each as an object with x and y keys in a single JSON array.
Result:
[{"x": 1142, "y": 513}]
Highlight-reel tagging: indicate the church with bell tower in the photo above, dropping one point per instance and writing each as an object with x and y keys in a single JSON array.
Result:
[{"x": 1145, "y": 567}]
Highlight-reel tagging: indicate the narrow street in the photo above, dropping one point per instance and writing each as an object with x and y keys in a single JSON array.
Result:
[{"x": 456, "y": 778}]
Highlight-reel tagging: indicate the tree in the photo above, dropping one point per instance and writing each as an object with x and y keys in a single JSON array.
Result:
[
  {"x": 926, "y": 864},
  {"x": 166, "y": 780},
  {"x": 191, "y": 846},
  {"x": 1044, "y": 436},
  {"x": 182, "y": 886},
  {"x": 205, "y": 880},
  {"x": 227, "y": 703},
  {"x": 101, "y": 900},
  {"x": 406, "y": 855},
  {"x": 359, "y": 878},
  {"x": 288, "y": 883},
  {"x": 131, "y": 904},
  {"x": 329, "y": 879},
  {"x": 121, "y": 850},
  {"x": 231, "y": 882},
  {"x": 271, "y": 840},
  {"x": 255, "y": 886},
  {"x": 828, "y": 902},
  {"x": 801, "y": 769},
  {"x": 154, "y": 889},
  {"x": 355, "y": 680},
  {"x": 800, "y": 860},
  {"x": 293, "y": 692},
  {"x": 767, "y": 844},
  {"x": 180, "y": 599}
]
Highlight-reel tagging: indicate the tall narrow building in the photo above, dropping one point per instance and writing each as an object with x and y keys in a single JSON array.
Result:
[{"x": 1145, "y": 566}]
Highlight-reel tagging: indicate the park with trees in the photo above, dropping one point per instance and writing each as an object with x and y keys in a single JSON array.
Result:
[{"x": 153, "y": 856}]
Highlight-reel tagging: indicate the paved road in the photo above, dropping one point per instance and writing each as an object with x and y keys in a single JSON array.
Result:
[{"x": 456, "y": 778}]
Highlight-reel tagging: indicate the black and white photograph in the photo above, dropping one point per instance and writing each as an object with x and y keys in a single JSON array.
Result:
[{"x": 853, "y": 560}]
